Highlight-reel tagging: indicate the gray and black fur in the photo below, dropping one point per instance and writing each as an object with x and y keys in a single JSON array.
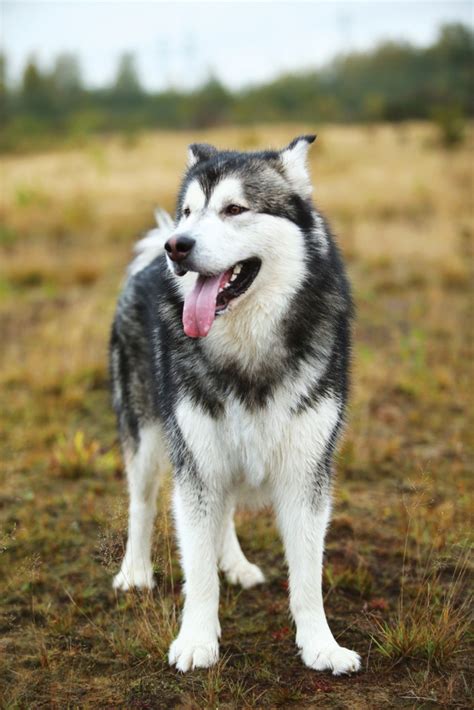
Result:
[
  {"x": 248, "y": 410},
  {"x": 152, "y": 361}
]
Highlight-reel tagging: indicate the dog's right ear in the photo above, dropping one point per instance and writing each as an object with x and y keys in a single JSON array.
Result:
[{"x": 198, "y": 152}]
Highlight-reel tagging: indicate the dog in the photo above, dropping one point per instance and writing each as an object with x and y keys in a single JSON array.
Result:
[{"x": 229, "y": 360}]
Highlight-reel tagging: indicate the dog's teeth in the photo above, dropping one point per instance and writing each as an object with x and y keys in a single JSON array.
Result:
[
  {"x": 233, "y": 277},
  {"x": 220, "y": 290},
  {"x": 237, "y": 269}
]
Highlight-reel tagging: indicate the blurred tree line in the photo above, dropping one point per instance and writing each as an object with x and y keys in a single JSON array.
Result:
[{"x": 394, "y": 82}]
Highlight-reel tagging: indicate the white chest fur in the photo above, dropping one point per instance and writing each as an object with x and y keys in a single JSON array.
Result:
[{"x": 243, "y": 446}]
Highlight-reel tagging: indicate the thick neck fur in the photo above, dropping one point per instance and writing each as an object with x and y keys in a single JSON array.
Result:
[
  {"x": 250, "y": 333},
  {"x": 289, "y": 318},
  {"x": 289, "y": 298}
]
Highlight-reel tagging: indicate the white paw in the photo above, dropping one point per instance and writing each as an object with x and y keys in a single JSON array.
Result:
[
  {"x": 337, "y": 659},
  {"x": 140, "y": 576},
  {"x": 247, "y": 575},
  {"x": 189, "y": 653}
]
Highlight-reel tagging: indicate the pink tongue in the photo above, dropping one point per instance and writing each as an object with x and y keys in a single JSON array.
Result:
[{"x": 200, "y": 305}]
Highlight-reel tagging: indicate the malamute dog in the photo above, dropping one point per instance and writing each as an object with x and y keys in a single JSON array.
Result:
[{"x": 229, "y": 358}]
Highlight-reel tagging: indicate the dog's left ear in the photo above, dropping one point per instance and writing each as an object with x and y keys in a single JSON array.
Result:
[
  {"x": 295, "y": 163},
  {"x": 198, "y": 152}
]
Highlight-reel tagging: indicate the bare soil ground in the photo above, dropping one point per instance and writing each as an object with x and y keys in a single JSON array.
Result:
[{"x": 397, "y": 567}]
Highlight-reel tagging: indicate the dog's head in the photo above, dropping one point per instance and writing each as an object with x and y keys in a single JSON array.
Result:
[{"x": 236, "y": 212}]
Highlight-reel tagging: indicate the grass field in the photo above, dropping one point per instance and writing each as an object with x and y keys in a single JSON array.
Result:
[{"x": 397, "y": 567}]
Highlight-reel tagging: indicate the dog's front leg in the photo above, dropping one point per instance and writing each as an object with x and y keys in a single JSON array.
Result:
[
  {"x": 198, "y": 515},
  {"x": 303, "y": 516}
]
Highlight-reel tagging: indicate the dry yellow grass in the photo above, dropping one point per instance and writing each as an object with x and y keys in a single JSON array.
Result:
[{"x": 402, "y": 209}]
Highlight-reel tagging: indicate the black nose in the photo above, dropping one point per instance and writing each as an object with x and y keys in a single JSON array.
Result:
[{"x": 178, "y": 248}]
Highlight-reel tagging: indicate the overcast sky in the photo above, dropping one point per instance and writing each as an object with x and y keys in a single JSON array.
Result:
[{"x": 180, "y": 43}]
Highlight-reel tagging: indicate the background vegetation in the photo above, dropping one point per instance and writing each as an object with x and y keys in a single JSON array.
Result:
[{"x": 394, "y": 82}]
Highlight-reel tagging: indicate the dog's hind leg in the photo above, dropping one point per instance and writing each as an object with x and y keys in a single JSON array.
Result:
[
  {"x": 144, "y": 470},
  {"x": 232, "y": 561}
]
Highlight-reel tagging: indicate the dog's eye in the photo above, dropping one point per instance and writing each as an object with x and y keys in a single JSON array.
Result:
[
  {"x": 233, "y": 210},
  {"x": 186, "y": 211}
]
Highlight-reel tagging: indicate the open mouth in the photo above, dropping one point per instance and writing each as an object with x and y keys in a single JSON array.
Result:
[
  {"x": 212, "y": 295},
  {"x": 241, "y": 277}
]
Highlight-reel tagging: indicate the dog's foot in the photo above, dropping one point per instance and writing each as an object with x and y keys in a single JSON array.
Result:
[
  {"x": 140, "y": 576},
  {"x": 333, "y": 658},
  {"x": 246, "y": 574},
  {"x": 188, "y": 653}
]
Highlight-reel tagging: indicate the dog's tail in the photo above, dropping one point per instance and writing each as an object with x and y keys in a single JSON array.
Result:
[{"x": 151, "y": 246}]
